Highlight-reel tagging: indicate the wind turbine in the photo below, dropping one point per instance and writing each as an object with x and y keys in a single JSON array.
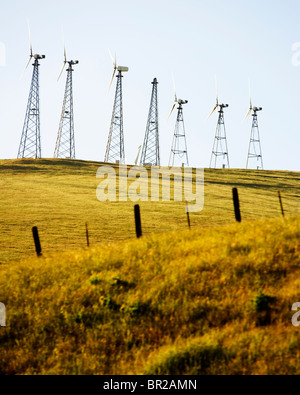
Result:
[
  {"x": 179, "y": 154},
  {"x": 255, "y": 151},
  {"x": 65, "y": 143},
  {"x": 30, "y": 145},
  {"x": 115, "y": 152},
  {"x": 220, "y": 149}
]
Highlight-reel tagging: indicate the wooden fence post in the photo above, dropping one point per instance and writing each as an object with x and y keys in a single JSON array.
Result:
[
  {"x": 188, "y": 215},
  {"x": 138, "y": 223},
  {"x": 37, "y": 243},
  {"x": 236, "y": 203},
  {"x": 87, "y": 234},
  {"x": 281, "y": 204}
]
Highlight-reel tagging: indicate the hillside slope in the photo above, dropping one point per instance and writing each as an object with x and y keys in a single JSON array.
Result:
[
  {"x": 208, "y": 301},
  {"x": 59, "y": 196}
]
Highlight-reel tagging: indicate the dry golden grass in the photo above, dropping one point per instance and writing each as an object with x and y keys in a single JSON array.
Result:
[
  {"x": 59, "y": 196},
  {"x": 208, "y": 301}
]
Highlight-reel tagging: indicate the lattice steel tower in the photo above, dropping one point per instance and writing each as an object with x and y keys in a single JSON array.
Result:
[
  {"x": 65, "y": 143},
  {"x": 255, "y": 152},
  {"x": 150, "y": 152},
  {"x": 179, "y": 154},
  {"x": 219, "y": 156},
  {"x": 115, "y": 152},
  {"x": 30, "y": 145}
]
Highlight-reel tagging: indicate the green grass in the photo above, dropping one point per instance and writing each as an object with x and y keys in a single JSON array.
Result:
[
  {"x": 215, "y": 300},
  {"x": 59, "y": 196}
]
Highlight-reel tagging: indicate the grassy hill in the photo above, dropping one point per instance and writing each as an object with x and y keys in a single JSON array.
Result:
[
  {"x": 215, "y": 300},
  {"x": 59, "y": 196}
]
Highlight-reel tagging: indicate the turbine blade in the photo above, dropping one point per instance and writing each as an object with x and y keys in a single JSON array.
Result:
[
  {"x": 110, "y": 54},
  {"x": 64, "y": 43},
  {"x": 30, "y": 43},
  {"x": 138, "y": 155},
  {"x": 112, "y": 78},
  {"x": 114, "y": 60},
  {"x": 217, "y": 93},
  {"x": 172, "y": 110},
  {"x": 212, "y": 112},
  {"x": 26, "y": 67},
  {"x": 248, "y": 113},
  {"x": 61, "y": 71},
  {"x": 65, "y": 51},
  {"x": 174, "y": 85},
  {"x": 250, "y": 94}
]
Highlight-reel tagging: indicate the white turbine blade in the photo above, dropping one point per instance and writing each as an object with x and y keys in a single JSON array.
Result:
[
  {"x": 64, "y": 44},
  {"x": 174, "y": 85},
  {"x": 138, "y": 155},
  {"x": 217, "y": 93},
  {"x": 114, "y": 60},
  {"x": 172, "y": 110},
  {"x": 27, "y": 63},
  {"x": 26, "y": 67},
  {"x": 248, "y": 113},
  {"x": 250, "y": 108},
  {"x": 212, "y": 112},
  {"x": 65, "y": 51},
  {"x": 30, "y": 43},
  {"x": 112, "y": 78},
  {"x": 110, "y": 54},
  {"x": 250, "y": 94},
  {"x": 61, "y": 71}
]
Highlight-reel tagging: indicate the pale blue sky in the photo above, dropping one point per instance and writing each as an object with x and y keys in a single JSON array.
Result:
[{"x": 195, "y": 39}]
